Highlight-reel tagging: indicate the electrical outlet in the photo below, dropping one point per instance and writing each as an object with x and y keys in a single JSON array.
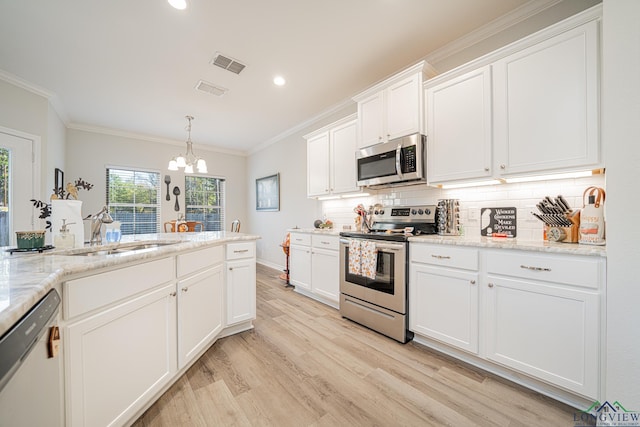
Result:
[{"x": 474, "y": 214}]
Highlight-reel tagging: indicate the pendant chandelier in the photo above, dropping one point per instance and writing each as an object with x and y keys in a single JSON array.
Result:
[{"x": 189, "y": 160}]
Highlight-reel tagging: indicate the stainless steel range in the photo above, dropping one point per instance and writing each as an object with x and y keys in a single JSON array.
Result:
[{"x": 374, "y": 268}]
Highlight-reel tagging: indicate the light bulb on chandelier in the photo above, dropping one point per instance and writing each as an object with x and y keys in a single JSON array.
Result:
[{"x": 189, "y": 160}]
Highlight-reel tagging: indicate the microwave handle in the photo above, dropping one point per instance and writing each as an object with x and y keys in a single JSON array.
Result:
[{"x": 399, "y": 160}]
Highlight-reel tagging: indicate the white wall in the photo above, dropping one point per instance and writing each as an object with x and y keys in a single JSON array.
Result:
[
  {"x": 289, "y": 158},
  {"x": 90, "y": 153},
  {"x": 620, "y": 135}
]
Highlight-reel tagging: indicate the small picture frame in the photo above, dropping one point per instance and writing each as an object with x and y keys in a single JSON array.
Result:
[
  {"x": 58, "y": 180},
  {"x": 268, "y": 193}
]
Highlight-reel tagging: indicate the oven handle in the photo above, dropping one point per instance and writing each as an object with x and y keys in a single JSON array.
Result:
[{"x": 379, "y": 245}]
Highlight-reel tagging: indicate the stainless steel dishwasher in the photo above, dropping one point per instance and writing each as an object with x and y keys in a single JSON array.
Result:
[{"x": 30, "y": 380}]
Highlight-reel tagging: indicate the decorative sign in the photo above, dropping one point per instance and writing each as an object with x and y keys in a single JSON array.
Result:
[{"x": 498, "y": 221}]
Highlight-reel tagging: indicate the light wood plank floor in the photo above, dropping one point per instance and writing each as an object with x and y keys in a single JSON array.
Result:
[{"x": 304, "y": 365}]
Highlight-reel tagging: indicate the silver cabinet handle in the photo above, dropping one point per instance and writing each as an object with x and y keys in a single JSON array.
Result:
[
  {"x": 241, "y": 251},
  {"x": 230, "y": 268},
  {"x": 441, "y": 256},
  {"x": 490, "y": 285},
  {"x": 173, "y": 294},
  {"x": 473, "y": 282},
  {"x": 185, "y": 289},
  {"x": 325, "y": 243},
  {"x": 528, "y": 267},
  {"x": 503, "y": 166},
  {"x": 486, "y": 169}
]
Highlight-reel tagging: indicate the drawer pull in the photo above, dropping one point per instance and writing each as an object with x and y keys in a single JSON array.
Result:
[
  {"x": 326, "y": 243},
  {"x": 528, "y": 267},
  {"x": 241, "y": 251},
  {"x": 473, "y": 282},
  {"x": 173, "y": 294},
  {"x": 185, "y": 289},
  {"x": 441, "y": 256},
  {"x": 490, "y": 285}
]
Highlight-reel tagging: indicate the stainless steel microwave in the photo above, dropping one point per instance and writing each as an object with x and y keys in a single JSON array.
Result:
[{"x": 399, "y": 161}]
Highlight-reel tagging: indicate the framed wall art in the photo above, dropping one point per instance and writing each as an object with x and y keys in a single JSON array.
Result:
[{"x": 268, "y": 193}]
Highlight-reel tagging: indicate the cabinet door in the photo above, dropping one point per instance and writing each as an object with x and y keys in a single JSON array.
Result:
[
  {"x": 459, "y": 134},
  {"x": 371, "y": 120},
  {"x": 200, "y": 312},
  {"x": 546, "y": 331},
  {"x": 118, "y": 360},
  {"x": 546, "y": 105},
  {"x": 300, "y": 266},
  {"x": 404, "y": 107},
  {"x": 241, "y": 291},
  {"x": 343, "y": 158},
  {"x": 318, "y": 165},
  {"x": 443, "y": 304},
  {"x": 325, "y": 274}
]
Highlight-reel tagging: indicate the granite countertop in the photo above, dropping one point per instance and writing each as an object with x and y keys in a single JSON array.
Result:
[
  {"x": 330, "y": 231},
  {"x": 26, "y": 277},
  {"x": 508, "y": 243}
]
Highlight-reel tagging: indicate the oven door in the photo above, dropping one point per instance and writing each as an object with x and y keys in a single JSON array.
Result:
[{"x": 388, "y": 289}]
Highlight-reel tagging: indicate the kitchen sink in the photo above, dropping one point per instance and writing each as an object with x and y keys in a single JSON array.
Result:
[{"x": 111, "y": 250}]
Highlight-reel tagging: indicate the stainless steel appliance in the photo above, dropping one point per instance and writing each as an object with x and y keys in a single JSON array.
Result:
[
  {"x": 30, "y": 380},
  {"x": 380, "y": 303},
  {"x": 399, "y": 161}
]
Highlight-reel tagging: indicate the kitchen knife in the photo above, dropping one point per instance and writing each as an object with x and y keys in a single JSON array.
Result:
[{"x": 564, "y": 203}]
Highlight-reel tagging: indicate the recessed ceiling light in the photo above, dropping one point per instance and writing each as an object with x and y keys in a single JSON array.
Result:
[
  {"x": 178, "y": 4},
  {"x": 279, "y": 81}
]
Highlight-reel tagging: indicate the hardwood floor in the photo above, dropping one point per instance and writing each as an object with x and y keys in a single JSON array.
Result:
[{"x": 304, "y": 365}]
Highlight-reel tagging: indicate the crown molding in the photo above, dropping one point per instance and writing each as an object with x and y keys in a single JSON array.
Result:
[
  {"x": 53, "y": 98},
  {"x": 492, "y": 28},
  {"x": 151, "y": 138}
]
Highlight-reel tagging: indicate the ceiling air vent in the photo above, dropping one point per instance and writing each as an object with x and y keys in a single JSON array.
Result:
[
  {"x": 211, "y": 88},
  {"x": 227, "y": 63}
]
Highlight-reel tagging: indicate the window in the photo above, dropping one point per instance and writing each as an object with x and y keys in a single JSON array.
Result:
[
  {"x": 204, "y": 200},
  {"x": 133, "y": 198}
]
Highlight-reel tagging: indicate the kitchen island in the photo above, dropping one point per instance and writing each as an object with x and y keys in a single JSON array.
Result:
[{"x": 135, "y": 315}]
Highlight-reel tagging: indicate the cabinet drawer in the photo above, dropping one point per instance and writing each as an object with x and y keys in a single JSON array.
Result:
[
  {"x": 241, "y": 250},
  {"x": 445, "y": 256},
  {"x": 300, "y": 239},
  {"x": 567, "y": 269},
  {"x": 326, "y": 242},
  {"x": 194, "y": 261},
  {"x": 91, "y": 292}
]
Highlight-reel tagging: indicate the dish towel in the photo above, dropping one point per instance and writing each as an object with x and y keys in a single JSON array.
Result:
[
  {"x": 355, "y": 254},
  {"x": 368, "y": 258}
]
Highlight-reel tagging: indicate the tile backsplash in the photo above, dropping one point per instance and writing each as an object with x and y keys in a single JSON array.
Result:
[{"x": 522, "y": 196}]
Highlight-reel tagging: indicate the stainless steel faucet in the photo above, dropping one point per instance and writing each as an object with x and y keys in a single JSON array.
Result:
[{"x": 97, "y": 220}]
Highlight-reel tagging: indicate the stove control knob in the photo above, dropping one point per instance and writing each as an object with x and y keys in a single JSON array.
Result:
[
  {"x": 420, "y": 212},
  {"x": 375, "y": 212},
  {"x": 381, "y": 211},
  {"x": 427, "y": 211},
  {"x": 413, "y": 211}
]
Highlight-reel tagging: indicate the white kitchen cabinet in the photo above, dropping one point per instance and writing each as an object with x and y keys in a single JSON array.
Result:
[
  {"x": 241, "y": 282},
  {"x": 392, "y": 108},
  {"x": 542, "y": 317},
  {"x": 315, "y": 266},
  {"x": 546, "y": 111},
  {"x": 119, "y": 358},
  {"x": 459, "y": 135},
  {"x": 443, "y": 295},
  {"x": 331, "y": 159}
]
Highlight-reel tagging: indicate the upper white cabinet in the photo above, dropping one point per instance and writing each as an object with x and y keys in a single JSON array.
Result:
[
  {"x": 392, "y": 108},
  {"x": 331, "y": 159},
  {"x": 459, "y": 127},
  {"x": 546, "y": 105},
  {"x": 529, "y": 108}
]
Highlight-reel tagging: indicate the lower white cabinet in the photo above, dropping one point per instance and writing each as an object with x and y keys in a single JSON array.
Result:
[
  {"x": 200, "y": 312},
  {"x": 443, "y": 295},
  {"x": 315, "y": 266},
  {"x": 241, "y": 282},
  {"x": 200, "y": 292},
  {"x": 118, "y": 359},
  {"x": 542, "y": 326},
  {"x": 515, "y": 311}
]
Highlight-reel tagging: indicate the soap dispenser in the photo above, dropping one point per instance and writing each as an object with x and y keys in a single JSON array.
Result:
[{"x": 64, "y": 239}]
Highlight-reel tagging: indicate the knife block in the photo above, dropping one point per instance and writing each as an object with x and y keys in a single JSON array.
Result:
[{"x": 572, "y": 233}]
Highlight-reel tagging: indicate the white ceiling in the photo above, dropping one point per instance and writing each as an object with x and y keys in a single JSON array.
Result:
[{"x": 132, "y": 65}]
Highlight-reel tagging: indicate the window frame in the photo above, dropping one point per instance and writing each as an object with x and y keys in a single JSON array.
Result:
[
  {"x": 221, "y": 207},
  {"x": 157, "y": 205}
]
